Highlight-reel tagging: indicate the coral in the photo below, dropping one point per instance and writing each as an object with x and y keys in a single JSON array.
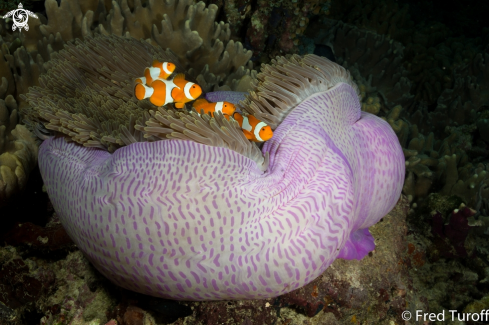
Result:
[
  {"x": 453, "y": 232},
  {"x": 452, "y": 270},
  {"x": 277, "y": 28},
  {"x": 431, "y": 53},
  {"x": 439, "y": 80},
  {"x": 442, "y": 164},
  {"x": 153, "y": 232},
  {"x": 364, "y": 53},
  {"x": 479, "y": 306},
  {"x": 461, "y": 102},
  {"x": 18, "y": 150},
  {"x": 381, "y": 17},
  {"x": 62, "y": 291}
]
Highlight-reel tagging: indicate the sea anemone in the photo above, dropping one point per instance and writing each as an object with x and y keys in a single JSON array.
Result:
[{"x": 203, "y": 214}]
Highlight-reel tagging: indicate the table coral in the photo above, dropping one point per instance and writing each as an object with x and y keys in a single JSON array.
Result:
[{"x": 183, "y": 220}]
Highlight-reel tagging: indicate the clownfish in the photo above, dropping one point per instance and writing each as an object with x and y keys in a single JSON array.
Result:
[
  {"x": 226, "y": 108},
  {"x": 254, "y": 129},
  {"x": 162, "y": 91},
  {"x": 158, "y": 70}
]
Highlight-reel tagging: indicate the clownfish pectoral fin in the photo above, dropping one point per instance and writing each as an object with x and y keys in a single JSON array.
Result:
[
  {"x": 179, "y": 105},
  {"x": 140, "y": 80},
  {"x": 248, "y": 135}
]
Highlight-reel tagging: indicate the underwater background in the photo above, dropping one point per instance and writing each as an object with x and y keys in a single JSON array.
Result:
[{"x": 419, "y": 65}]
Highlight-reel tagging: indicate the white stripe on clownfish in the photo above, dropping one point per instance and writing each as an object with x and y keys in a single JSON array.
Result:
[
  {"x": 186, "y": 90},
  {"x": 218, "y": 107},
  {"x": 253, "y": 129},
  {"x": 246, "y": 124},
  {"x": 154, "y": 72},
  {"x": 170, "y": 85},
  {"x": 257, "y": 130},
  {"x": 148, "y": 90},
  {"x": 165, "y": 68},
  {"x": 163, "y": 91}
]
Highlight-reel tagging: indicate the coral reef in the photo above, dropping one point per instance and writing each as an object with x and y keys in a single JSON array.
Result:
[
  {"x": 62, "y": 292},
  {"x": 273, "y": 28},
  {"x": 437, "y": 132},
  {"x": 413, "y": 69}
]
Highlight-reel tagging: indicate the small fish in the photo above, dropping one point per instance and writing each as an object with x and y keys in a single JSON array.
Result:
[
  {"x": 226, "y": 108},
  {"x": 253, "y": 129},
  {"x": 158, "y": 70},
  {"x": 162, "y": 91}
]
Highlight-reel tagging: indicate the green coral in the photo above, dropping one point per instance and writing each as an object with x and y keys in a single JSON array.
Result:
[{"x": 442, "y": 203}]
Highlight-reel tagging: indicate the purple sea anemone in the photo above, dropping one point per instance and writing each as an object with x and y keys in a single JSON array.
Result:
[{"x": 185, "y": 220}]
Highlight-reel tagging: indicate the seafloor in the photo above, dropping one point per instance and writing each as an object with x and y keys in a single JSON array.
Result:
[{"x": 420, "y": 65}]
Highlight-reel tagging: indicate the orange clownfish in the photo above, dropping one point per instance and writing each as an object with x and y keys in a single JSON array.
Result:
[
  {"x": 162, "y": 92},
  {"x": 158, "y": 70},
  {"x": 254, "y": 129},
  {"x": 226, "y": 108}
]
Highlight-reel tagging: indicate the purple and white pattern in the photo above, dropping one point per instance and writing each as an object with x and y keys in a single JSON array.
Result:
[{"x": 182, "y": 220}]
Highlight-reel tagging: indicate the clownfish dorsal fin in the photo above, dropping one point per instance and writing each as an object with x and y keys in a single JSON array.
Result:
[
  {"x": 200, "y": 102},
  {"x": 155, "y": 62},
  {"x": 180, "y": 76}
]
